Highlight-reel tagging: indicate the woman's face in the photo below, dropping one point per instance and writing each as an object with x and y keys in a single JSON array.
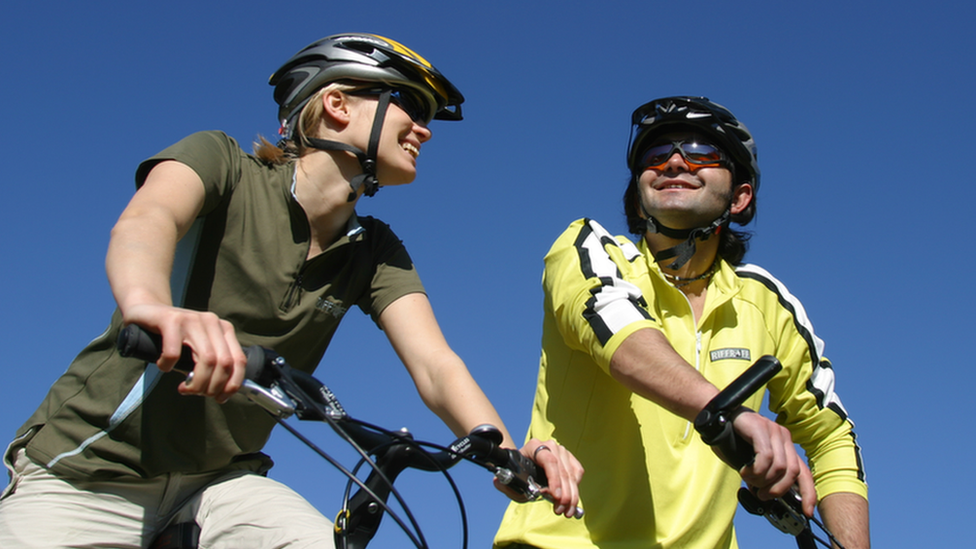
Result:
[{"x": 400, "y": 139}]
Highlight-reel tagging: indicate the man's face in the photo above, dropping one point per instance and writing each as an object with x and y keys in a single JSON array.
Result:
[{"x": 681, "y": 194}]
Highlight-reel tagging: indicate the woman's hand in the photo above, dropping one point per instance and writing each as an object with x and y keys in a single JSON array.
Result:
[
  {"x": 563, "y": 472},
  {"x": 219, "y": 362}
]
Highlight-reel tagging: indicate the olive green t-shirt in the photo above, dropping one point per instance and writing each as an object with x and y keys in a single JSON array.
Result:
[{"x": 245, "y": 260}]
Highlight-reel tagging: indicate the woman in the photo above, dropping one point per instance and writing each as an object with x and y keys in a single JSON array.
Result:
[{"x": 219, "y": 247}]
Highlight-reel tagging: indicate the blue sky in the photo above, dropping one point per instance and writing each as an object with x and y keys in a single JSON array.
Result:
[{"x": 861, "y": 215}]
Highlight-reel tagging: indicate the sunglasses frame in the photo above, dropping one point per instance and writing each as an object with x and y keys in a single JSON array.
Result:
[
  {"x": 397, "y": 96},
  {"x": 678, "y": 146}
]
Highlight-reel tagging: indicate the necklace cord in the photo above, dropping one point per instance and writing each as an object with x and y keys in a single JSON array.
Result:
[{"x": 679, "y": 281}]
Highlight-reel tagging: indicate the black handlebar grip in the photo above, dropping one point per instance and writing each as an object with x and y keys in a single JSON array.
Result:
[
  {"x": 745, "y": 385},
  {"x": 520, "y": 466},
  {"x": 714, "y": 422},
  {"x": 488, "y": 432},
  {"x": 136, "y": 342},
  {"x": 482, "y": 443}
]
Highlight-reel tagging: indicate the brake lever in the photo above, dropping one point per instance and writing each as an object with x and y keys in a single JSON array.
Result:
[
  {"x": 783, "y": 513},
  {"x": 272, "y": 399}
]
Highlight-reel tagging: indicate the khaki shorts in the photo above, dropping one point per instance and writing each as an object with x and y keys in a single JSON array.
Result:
[{"x": 237, "y": 510}]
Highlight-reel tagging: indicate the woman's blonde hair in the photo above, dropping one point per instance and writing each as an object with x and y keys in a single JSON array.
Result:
[{"x": 307, "y": 126}]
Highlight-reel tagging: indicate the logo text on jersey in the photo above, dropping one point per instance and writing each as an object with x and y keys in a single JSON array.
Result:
[
  {"x": 725, "y": 354},
  {"x": 330, "y": 307}
]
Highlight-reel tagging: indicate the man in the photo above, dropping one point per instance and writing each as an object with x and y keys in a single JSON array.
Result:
[{"x": 638, "y": 338}]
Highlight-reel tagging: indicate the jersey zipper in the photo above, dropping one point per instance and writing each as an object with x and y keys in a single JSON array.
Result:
[
  {"x": 294, "y": 294},
  {"x": 698, "y": 349}
]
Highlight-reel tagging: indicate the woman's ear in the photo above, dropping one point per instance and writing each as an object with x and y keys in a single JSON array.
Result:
[{"x": 336, "y": 107}]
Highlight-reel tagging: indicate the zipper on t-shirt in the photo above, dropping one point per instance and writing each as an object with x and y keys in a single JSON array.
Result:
[{"x": 294, "y": 294}]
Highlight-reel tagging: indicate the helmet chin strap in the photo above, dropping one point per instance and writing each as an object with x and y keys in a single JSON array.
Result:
[
  {"x": 366, "y": 180},
  {"x": 685, "y": 250}
]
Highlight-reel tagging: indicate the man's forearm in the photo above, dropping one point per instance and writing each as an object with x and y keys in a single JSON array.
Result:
[
  {"x": 846, "y": 516},
  {"x": 646, "y": 364}
]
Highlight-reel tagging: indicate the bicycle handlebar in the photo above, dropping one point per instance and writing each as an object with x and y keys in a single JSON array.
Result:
[
  {"x": 133, "y": 341},
  {"x": 714, "y": 424},
  {"x": 283, "y": 391},
  {"x": 359, "y": 520}
]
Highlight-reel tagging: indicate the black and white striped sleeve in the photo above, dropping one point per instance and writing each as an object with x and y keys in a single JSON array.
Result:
[{"x": 586, "y": 282}]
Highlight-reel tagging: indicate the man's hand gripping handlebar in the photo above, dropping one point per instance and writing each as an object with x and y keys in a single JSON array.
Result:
[{"x": 714, "y": 424}]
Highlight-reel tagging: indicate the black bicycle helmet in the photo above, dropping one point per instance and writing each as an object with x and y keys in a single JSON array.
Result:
[
  {"x": 696, "y": 114},
  {"x": 365, "y": 58},
  {"x": 669, "y": 114}
]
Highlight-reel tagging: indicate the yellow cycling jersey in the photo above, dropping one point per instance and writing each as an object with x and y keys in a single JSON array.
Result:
[{"x": 650, "y": 481}]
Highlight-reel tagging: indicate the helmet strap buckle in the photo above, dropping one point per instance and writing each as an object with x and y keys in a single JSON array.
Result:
[{"x": 684, "y": 251}]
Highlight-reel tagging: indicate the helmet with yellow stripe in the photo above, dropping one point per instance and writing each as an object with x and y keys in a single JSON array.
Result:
[{"x": 361, "y": 58}]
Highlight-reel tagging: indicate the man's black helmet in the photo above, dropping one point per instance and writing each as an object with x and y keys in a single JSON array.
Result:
[
  {"x": 364, "y": 58},
  {"x": 697, "y": 114}
]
